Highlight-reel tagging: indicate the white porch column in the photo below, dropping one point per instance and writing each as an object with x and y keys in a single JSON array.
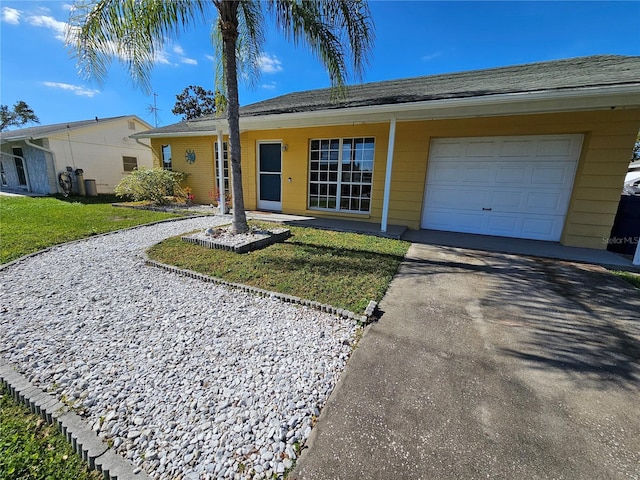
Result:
[
  {"x": 222, "y": 207},
  {"x": 636, "y": 258},
  {"x": 387, "y": 178}
]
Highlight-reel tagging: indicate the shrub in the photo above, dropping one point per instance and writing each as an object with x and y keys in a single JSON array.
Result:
[{"x": 155, "y": 185}]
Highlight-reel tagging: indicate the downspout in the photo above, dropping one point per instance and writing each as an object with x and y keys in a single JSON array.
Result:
[
  {"x": 46, "y": 150},
  {"x": 140, "y": 143},
  {"x": 387, "y": 178},
  {"x": 150, "y": 148},
  {"x": 222, "y": 206},
  {"x": 24, "y": 167}
]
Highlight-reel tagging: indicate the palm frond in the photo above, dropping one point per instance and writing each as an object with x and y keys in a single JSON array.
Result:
[
  {"x": 131, "y": 31},
  {"x": 338, "y": 32},
  {"x": 249, "y": 44}
]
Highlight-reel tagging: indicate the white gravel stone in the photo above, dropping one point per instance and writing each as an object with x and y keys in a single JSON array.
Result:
[{"x": 184, "y": 376}]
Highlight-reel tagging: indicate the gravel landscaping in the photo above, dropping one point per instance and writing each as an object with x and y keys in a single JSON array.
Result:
[{"x": 186, "y": 379}]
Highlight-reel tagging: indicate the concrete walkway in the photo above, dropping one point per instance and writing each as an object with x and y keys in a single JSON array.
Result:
[
  {"x": 488, "y": 365},
  {"x": 519, "y": 246}
]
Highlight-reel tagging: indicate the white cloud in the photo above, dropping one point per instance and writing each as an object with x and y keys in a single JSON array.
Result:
[
  {"x": 269, "y": 86},
  {"x": 75, "y": 89},
  {"x": 210, "y": 58},
  {"x": 269, "y": 64},
  {"x": 11, "y": 15},
  {"x": 178, "y": 49},
  {"x": 49, "y": 22},
  {"x": 431, "y": 56},
  {"x": 189, "y": 61},
  {"x": 162, "y": 57}
]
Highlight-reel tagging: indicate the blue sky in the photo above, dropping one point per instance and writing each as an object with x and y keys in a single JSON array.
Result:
[{"x": 412, "y": 38}]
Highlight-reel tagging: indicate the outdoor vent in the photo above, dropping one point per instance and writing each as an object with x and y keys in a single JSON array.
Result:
[{"x": 132, "y": 125}]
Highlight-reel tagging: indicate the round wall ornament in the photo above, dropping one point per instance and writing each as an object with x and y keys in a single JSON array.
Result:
[{"x": 190, "y": 156}]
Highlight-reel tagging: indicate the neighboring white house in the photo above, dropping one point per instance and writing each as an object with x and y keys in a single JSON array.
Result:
[
  {"x": 33, "y": 158},
  {"x": 632, "y": 180}
]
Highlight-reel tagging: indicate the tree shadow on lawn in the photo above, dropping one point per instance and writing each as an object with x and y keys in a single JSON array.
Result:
[{"x": 100, "y": 199}]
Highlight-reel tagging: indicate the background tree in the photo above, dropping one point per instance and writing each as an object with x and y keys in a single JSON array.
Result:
[
  {"x": 338, "y": 32},
  {"x": 21, "y": 114},
  {"x": 194, "y": 102}
]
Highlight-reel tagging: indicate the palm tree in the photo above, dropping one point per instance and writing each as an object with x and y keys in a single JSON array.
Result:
[{"x": 338, "y": 32}]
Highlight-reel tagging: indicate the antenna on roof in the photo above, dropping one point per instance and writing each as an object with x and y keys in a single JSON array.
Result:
[{"x": 153, "y": 109}]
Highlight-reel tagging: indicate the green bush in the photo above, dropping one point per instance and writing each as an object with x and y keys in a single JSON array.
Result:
[{"x": 155, "y": 185}]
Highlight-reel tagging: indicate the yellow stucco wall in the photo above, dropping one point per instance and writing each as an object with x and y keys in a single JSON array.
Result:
[
  {"x": 295, "y": 165},
  {"x": 200, "y": 174},
  {"x": 608, "y": 139}
]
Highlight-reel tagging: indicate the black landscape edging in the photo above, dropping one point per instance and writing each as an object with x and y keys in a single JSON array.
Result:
[
  {"x": 93, "y": 451},
  {"x": 341, "y": 312}
]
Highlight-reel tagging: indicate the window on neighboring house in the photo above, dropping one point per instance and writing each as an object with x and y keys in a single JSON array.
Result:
[
  {"x": 166, "y": 157},
  {"x": 225, "y": 165},
  {"x": 129, "y": 164},
  {"x": 3, "y": 175},
  {"x": 22, "y": 175},
  {"x": 132, "y": 125},
  {"x": 341, "y": 174}
]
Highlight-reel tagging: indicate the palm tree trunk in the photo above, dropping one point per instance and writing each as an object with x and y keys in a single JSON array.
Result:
[{"x": 229, "y": 38}]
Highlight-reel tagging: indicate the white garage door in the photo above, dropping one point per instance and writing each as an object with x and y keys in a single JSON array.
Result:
[{"x": 506, "y": 186}]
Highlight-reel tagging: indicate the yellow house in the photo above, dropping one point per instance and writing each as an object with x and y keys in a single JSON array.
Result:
[{"x": 535, "y": 151}]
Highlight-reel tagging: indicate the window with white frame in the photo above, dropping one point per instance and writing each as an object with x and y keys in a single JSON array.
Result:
[
  {"x": 129, "y": 164},
  {"x": 341, "y": 174},
  {"x": 166, "y": 157},
  {"x": 225, "y": 165}
]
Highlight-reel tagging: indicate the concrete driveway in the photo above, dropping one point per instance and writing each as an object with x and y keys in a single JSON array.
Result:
[{"x": 488, "y": 365}]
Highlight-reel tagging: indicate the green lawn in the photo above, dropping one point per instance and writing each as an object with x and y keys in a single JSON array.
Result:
[
  {"x": 32, "y": 449},
  {"x": 345, "y": 270},
  {"x": 31, "y": 224},
  {"x": 632, "y": 278}
]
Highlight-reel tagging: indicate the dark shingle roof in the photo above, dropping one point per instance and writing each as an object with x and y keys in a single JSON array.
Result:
[
  {"x": 558, "y": 75},
  {"x": 602, "y": 70},
  {"x": 187, "y": 127},
  {"x": 41, "y": 131}
]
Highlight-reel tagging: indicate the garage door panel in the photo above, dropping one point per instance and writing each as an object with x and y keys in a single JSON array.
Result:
[
  {"x": 445, "y": 173},
  {"x": 549, "y": 175},
  {"x": 516, "y": 148},
  {"x": 512, "y": 174},
  {"x": 451, "y": 149},
  {"x": 546, "y": 203},
  {"x": 506, "y": 201},
  {"x": 503, "y": 225},
  {"x": 558, "y": 147},
  {"x": 446, "y": 197},
  {"x": 482, "y": 149},
  {"x": 538, "y": 228},
  {"x": 463, "y": 220},
  {"x": 508, "y": 186},
  {"x": 480, "y": 174}
]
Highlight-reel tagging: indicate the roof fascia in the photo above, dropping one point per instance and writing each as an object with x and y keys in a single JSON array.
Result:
[
  {"x": 208, "y": 133},
  {"x": 77, "y": 127},
  {"x": 93, "y": 125}
]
